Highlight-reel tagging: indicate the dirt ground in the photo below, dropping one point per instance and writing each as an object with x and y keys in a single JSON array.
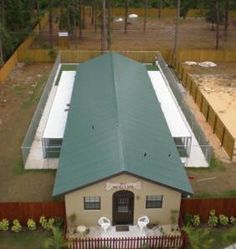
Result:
[
  {"x": 18, "y": 98},
  {"x": 193, "y": 33},
  {"x": 219, "y": 179}
]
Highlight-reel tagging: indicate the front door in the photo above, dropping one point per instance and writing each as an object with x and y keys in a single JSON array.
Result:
[{"x": 123, "y": 207}]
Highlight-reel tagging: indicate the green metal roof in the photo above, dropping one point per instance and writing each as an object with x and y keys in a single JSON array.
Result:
[{"x": 116, "y": 125}]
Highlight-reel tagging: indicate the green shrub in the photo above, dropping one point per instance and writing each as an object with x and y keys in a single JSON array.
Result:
[
  {"x": 4, "y": 225},
  {"x": 46, "y": 224},
  {"x": 27, "y": 59},
  {"x": 232, "y": 220},
  {"x": 31, "y": 224},
  {"x": 188, "y": 219},
  {"x": 213, "y": 219},
  {"x": 16, "y": 226},
  {"x": 52, "y": 52},
  {"x": 223, "y": 220},
  {"x": 196, "y": 220},
  {"x": 59, "y": 222}
]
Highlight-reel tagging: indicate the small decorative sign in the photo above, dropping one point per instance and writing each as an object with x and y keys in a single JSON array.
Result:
[
  {"x": 120, "y": 186},
  {"x": 63, "y": 34}
]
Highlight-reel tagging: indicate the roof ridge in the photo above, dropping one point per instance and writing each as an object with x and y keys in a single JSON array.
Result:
[{"x": 119, "y": 133}]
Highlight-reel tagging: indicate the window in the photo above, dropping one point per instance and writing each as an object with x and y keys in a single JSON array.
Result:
[
  {"x": 92, "y": 202},
  {"x": 154, "y": 201}
]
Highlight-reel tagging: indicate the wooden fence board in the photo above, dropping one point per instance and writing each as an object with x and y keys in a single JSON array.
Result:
[
  {"x": 219, "y": 129},
  {"x": 228, "y": 143},
  {"x": 206, "y": 54},
  {"x": 8, "y": 67},
  {"x": 202, "y": 207},
  {"x": 35, "y": 210}
]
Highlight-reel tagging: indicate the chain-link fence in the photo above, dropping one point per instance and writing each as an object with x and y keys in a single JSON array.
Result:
[
  {"x": 179, "y": 92},
  {"x": 30, "y": 135}
]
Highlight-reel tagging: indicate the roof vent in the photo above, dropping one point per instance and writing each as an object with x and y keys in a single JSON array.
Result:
[
  {"x": 93, "y": 127},
  {"x": 169, "y": 155},
  {"x": 145, "y": 154}
]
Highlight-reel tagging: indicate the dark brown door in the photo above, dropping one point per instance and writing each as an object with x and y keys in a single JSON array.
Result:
[{"x": 123, "y": 207}]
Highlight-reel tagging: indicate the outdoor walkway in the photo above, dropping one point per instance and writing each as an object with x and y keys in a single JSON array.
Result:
[
  {"x": 35, "y": 158},
  {"x": 196, "y": 158},
  {"x": 134, "y": 231}
]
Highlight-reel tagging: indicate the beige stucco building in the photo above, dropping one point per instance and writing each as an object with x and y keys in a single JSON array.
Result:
[{"x": 135, "y": 207}]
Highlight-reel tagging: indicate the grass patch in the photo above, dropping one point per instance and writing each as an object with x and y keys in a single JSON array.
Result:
[
  {"x": 26, "y": 240},
  {"x": 66, "y": 67},
  {"x": 215, "y": 165},
  {"x": 218, "y": 235},
  {"x": 19, "y": 167},
  {"x": 35, "y": 96},
  {"x": 151, "y": 67},
  {"x": 17, "y": 89}
]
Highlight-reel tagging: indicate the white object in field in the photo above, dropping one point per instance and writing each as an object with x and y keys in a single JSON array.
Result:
[
  {"x": 63, "y": 34},
  {"x": 142, "y": 222},
  {"x": 207, "y": 64},
  {"x": 105, "y": 223},
  {"x": 56, "y": 123},
  {"x": 119, "y": 19},
  {"x": 191, "y": 63},
  {"x": 132, "y": 16}
]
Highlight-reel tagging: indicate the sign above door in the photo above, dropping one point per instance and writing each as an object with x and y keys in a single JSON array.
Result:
[{"x": 120, "y": 186}]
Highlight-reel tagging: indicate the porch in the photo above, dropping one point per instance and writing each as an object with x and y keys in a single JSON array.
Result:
[
  {"x": 126, "y": 231},
  {"x": 155, "y": 237}
]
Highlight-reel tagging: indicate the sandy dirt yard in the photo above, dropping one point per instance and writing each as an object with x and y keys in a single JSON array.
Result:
[{"x": 218, "y": 85}]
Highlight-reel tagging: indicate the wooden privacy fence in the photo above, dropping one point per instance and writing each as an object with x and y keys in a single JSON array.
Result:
[
  {"x": 21, "y": 51},
  {"x": 83, "y": 55},
  {"x": 154, "y": 12},
  {"x": 218, "y": 127},
  {"x": 228, "y": 55},
  {"x": 128, "y": 242},
  {"x": 25, "y": 210},
  {"x": 202, "y": 207}
]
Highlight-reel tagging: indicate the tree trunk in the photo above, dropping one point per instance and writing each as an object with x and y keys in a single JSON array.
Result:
[
  {"x": 95, "y": 16},
  {"x": 159, "y": 9},
  {"x": 80, "y": 20},
  {"x": 217, "y": 24},
  {"x": 177, "y": 27},
  {"x": 109, "y": 41},
  {"x": 38, "y": 15},
  {"x": 1, "y": 53},
  {"x": 2, "y": 20},
  {"x": 145, "y": 15},
  {"x": 83, "y": 14},
  {"x": 50, "y": 24},
  {"x": 126, "y": 15},
  {"x": 73, "y": 10},
  {"x": 226, "y": 17},
  {"x": 92, "y": 13},
  {"x": 104, "y": 27}
]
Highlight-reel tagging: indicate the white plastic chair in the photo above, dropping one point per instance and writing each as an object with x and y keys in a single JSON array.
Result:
[
  {"x": 142, "y": 222},
  {"x": 105, "y": 223}
]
